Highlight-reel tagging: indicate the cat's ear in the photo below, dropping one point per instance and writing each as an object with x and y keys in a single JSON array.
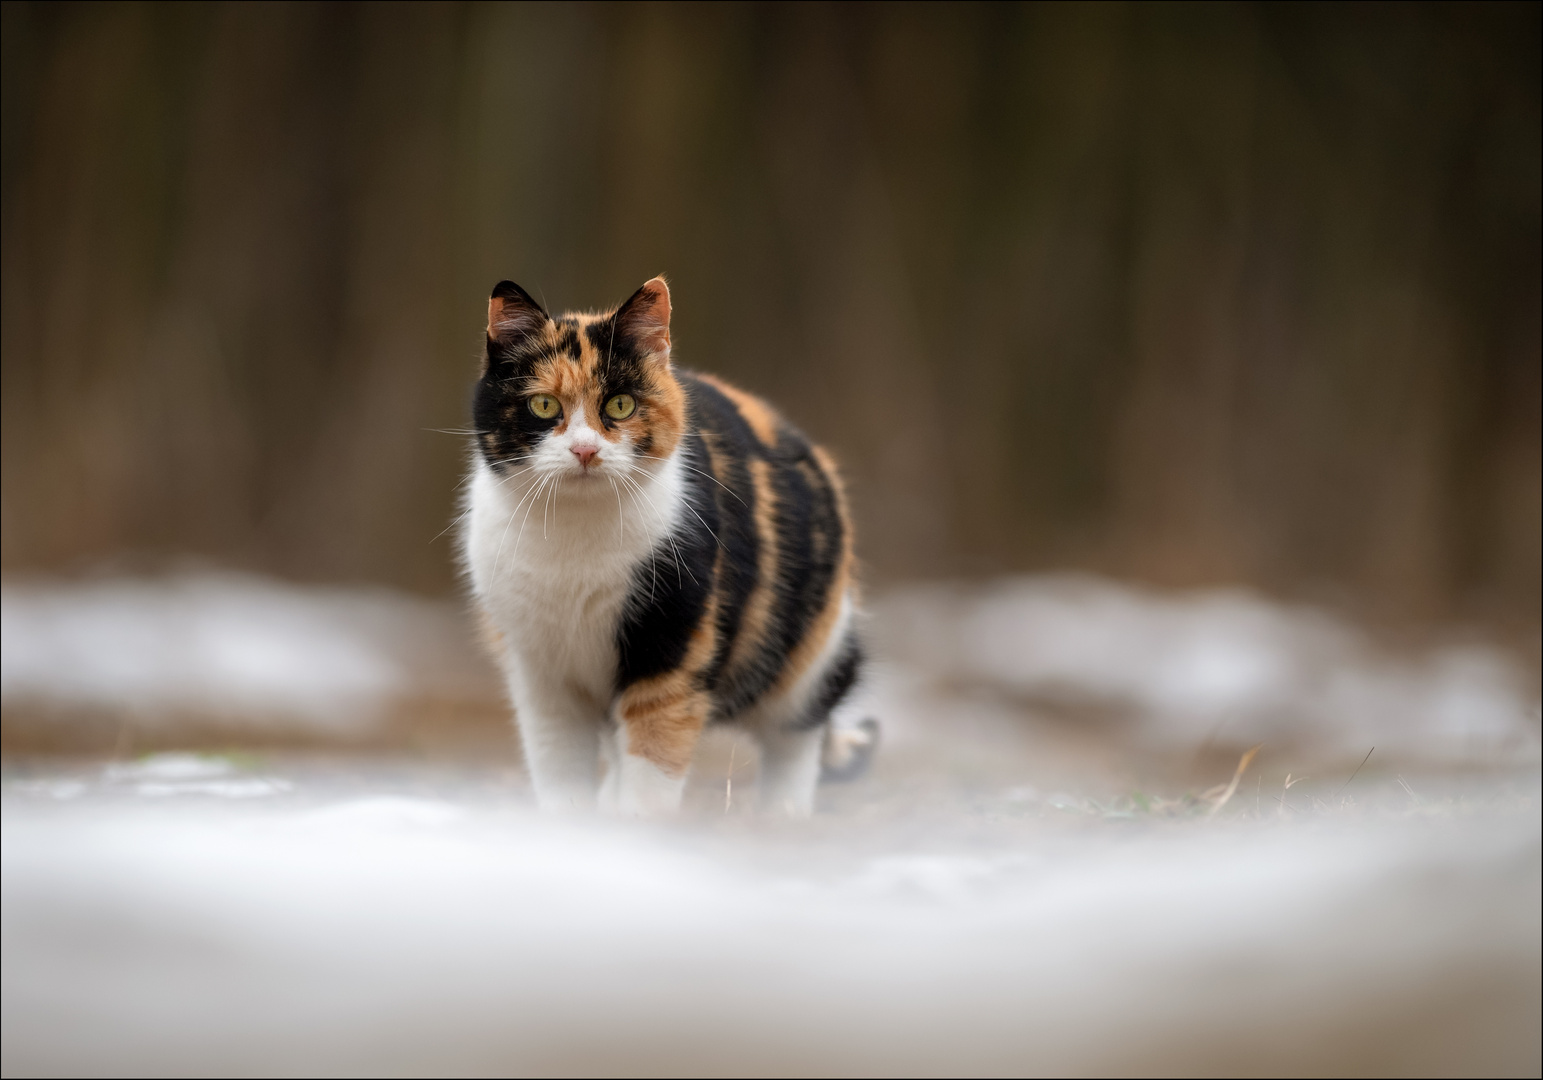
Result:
[
  {"x": 512, "y": 315},
  {"x": 645, "y": 318}
]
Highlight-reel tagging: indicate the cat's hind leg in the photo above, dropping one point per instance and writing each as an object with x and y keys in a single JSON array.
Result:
[
  {"x": 790, "y": 767},
  {"x": 793, "y": 730}
]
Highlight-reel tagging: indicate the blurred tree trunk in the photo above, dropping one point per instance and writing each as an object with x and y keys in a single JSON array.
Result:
[{"x": 1193, "y": 294}]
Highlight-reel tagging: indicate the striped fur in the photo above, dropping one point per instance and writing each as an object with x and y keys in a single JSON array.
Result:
[{"x": 694, "y": 562}]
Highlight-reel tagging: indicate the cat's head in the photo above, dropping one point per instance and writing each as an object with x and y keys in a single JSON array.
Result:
[{"x": 580, "y": 397}]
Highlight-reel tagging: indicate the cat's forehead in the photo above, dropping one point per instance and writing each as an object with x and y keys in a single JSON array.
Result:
[
  {"x": 570, "y": 347},
  {"x": 596, "y": 332},
  {"x": 577, "y": 349}
]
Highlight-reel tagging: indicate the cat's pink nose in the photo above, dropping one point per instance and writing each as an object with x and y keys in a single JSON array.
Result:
[{"x": 585, "y": 454}]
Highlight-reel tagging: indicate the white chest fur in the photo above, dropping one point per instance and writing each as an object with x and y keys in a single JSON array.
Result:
[{"x": 553, "y": 568}]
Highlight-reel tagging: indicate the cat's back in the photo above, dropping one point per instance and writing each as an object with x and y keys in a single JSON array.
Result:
[{"x": 786, "y": 579}]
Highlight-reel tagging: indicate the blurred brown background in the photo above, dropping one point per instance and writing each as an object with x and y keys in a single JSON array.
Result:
[{"x": 1190, "y": 294}]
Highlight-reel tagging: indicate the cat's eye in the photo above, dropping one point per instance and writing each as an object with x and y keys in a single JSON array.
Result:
[
  {"x": 545, "y": 406},
  {"x": 620, "y": 407}
]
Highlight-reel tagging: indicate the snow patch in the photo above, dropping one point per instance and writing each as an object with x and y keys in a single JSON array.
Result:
[
  {"x": 1221, "y": 666},
  {"x": 239, "y": 649}
]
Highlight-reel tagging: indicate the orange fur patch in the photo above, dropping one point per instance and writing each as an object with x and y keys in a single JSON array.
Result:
[
  {"x": 761, "y": 417},
  {"x": 661, "y": 411},
  {"x": 844, "y": 512},
  {"x": 756, "y": 621},
  {"x": 665, "y": 715}
]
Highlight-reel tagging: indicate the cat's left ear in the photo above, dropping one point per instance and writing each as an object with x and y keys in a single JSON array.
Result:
[{"x": 645, "y": 318}]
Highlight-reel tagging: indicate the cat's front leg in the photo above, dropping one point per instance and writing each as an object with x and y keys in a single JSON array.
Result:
[
  {"x": 610, "y": 763},
  {"x": 560, "y": 735},
  {"x": 658, "y": 723}
]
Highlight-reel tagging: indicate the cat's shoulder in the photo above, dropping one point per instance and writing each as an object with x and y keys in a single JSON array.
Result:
[{"x": 731, "y": 411}]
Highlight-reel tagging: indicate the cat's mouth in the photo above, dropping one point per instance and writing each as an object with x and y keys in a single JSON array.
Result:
[{"x": 588, "y": 471}]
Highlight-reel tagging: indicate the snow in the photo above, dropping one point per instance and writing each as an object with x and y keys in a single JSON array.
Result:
[
  {"x": 1214, "y": 666},
  {"x": 329, "y": 932},
  {"x": 248, "y": 652},
  {"x": 1035, "y": 879},
  {"x": 1223, "y": 668}
]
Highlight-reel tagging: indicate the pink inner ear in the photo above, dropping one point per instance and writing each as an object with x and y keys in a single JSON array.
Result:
[{"x": 646, "y": 317}]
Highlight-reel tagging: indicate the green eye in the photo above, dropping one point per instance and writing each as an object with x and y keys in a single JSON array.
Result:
[
  {"x": 545, "y": 406},
  {"x": 620, "y": 407}
]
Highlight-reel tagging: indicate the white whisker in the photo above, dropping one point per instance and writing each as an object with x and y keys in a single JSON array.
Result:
[
  {"x": 686, "y": 502},
  {"x": 472, "y": 475},
  {"x": 653, "y": 563},
  {"x": 520, "y": 535},
  {"x": 531, "y": 493},
  {"x": 621, "y": 520},
  {"x": 710, "y": 476},
  {"x": 505, "y": 535},
  {"x": 454, "y": 522},
  {"x": 680, "y": 562},
  {"x": 517, "y": 475},
  {"x": 547, "y": 508}
]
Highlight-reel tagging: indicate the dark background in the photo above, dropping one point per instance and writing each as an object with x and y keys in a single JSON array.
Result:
[{"x": 1186, "y": 294}]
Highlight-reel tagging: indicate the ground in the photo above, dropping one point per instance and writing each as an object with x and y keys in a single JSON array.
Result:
[{"x": 1026, "y": 883}]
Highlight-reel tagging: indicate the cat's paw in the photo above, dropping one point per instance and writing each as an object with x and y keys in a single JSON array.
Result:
[{"x": 643, "y": 789}]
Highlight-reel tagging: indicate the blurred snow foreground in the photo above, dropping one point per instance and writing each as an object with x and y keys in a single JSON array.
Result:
[
  {"x": 245, "y": 655},
  {"x": 446, "y": 933},
  {"x": 1022, "y": 886}
]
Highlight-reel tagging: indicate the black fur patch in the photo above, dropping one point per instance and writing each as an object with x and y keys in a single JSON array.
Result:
[
  {"x": 623, "y": 366},
  {"x": 508, "y": 429},
  {"x": 508, "y": 290},
  {"x": 839, "y": 679},
  {"x": 717, "y": 547},
  {"x": 670, "y": 590}
]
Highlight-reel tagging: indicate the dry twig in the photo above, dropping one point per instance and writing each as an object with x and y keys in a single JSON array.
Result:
[{"x": 1231, "y": 788}]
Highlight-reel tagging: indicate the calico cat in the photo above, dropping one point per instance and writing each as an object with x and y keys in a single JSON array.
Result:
[{"x": 653, "y": 551}]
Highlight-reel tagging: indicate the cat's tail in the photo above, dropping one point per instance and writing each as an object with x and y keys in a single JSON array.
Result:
[{"x": 848, "y": 751}]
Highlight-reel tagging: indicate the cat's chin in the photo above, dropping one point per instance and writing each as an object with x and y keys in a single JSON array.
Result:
[
  {"x": 594, "y": 481},
  {"x": 604, "y": 470}
]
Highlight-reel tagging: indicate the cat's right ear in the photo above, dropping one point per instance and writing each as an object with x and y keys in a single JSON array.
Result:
[{"x": 512, "y": 315}]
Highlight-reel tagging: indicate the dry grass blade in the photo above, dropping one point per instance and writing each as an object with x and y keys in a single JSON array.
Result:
[
  {"x": 1231, "y": 789},
  {"x": 728, "y": 784},
  {"x": 1357, "y": 772}
]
